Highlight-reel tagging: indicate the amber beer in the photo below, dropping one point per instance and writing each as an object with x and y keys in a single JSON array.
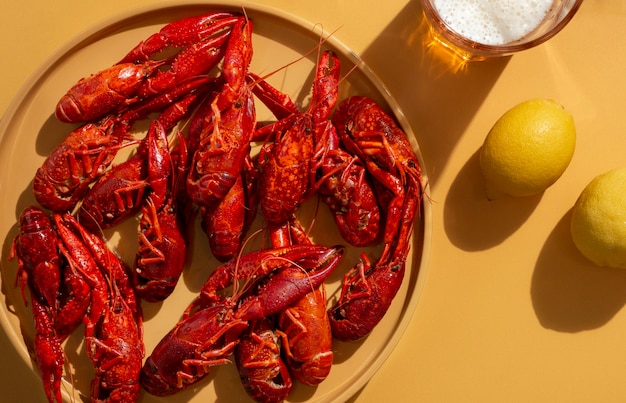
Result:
[{"x": 479, "y": 29}]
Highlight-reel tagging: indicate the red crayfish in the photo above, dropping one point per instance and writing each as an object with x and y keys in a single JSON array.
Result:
[
  {"x": 212, "y": 324},
  {"x": 370, "y": 133},
  {"x": 136, "y": 76},
  {"x": 95, "y": 289}
]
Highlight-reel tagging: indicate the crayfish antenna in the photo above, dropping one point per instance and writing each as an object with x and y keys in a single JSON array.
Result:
[
  {"x": 248, "y": 281},
  {"x": 316, "y": 48},
  {"x": 349, "y": 72},
  {"x": 70, "y": 375},
  {"x": 296, "y": 265},
  {"x": 245, "y": 14},
  {"x": 309, "y": 229}
]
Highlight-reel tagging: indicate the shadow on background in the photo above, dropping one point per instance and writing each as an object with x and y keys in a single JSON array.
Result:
[
  {"x": 438, "y": 96},
  {"x": 569, "y": 293},
  {"x": 474, "y": 223}
]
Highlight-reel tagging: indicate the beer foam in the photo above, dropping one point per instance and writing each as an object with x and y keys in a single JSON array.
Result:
[{"x": 493, "y": 22}]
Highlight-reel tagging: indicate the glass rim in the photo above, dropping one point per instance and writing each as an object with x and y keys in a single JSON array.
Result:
[{"x": 486, "y": 49}]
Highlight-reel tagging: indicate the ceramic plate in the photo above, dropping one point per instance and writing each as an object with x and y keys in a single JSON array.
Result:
[{"x": 29, "y": 131}]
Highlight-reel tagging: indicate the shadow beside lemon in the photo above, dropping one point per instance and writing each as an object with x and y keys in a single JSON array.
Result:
[{"x": 528, "y": 149}]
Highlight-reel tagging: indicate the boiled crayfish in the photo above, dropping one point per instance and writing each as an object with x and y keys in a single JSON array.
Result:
[
  {"x": 368, "y": 132},
  {"x": 95, "y": 290},
  {"x": 212, "y": 324},
  {"x": 193, "y": 83}
]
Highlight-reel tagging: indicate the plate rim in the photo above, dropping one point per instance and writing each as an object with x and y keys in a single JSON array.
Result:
[{"x": 121, "y": 19}]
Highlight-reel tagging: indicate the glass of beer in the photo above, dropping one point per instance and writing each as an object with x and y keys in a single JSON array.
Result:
[{"x": 482, "y": 29}]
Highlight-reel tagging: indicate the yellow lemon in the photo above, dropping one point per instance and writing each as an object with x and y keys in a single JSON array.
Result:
[
  {"x": 598, "y": 223},
  {"x": 528, "y": 148}
]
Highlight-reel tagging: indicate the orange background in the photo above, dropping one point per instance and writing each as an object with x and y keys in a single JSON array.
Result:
[{"x": 510, "y": 310}]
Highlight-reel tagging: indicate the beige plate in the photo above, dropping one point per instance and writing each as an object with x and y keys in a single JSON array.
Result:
[{"x": 29, "y": 132}]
